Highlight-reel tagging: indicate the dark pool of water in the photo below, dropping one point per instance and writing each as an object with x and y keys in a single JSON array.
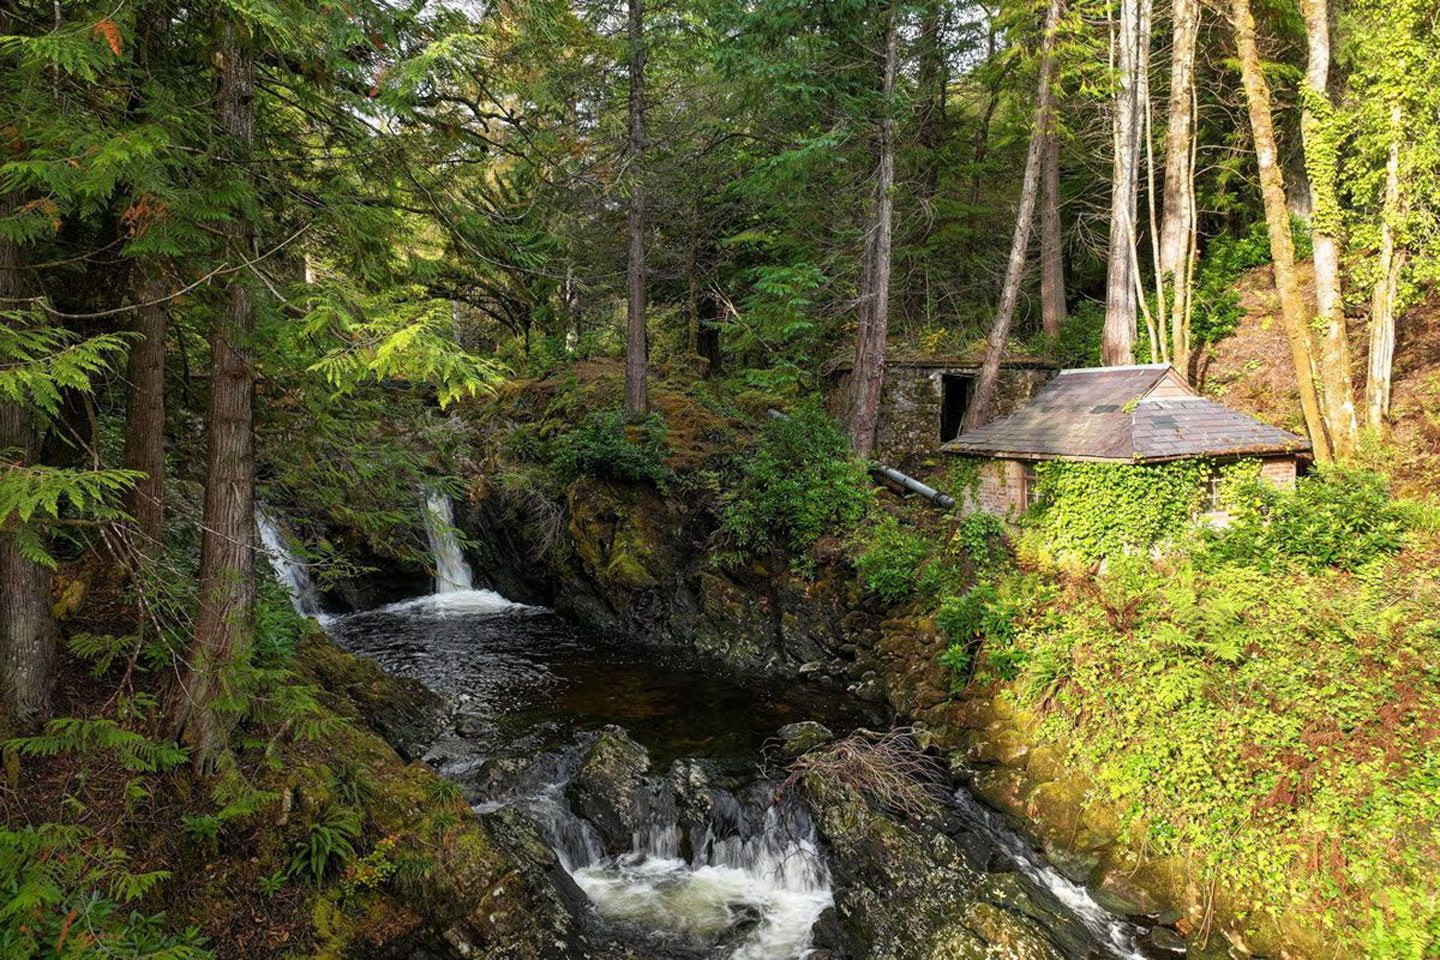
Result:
[{"x": 513, "y": 671}]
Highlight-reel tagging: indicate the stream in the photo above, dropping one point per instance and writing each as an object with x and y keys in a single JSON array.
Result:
[{"x": 706, "y": 859}]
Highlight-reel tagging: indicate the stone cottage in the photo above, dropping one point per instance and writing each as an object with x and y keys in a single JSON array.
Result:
[
  {"x": 924, "y": 399},
  {"x": 1136, "y": 414}
]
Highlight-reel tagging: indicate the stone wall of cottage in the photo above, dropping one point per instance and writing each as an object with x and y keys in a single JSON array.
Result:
[
  {"x": 908, "y": 431},
  {"x": 1000, "y": 491}
]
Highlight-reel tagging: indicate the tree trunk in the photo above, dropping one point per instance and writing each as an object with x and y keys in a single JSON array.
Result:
[
  {"x": 981, "y": 405},
  {"x": 1317, "y": 129},
  {"x": 1052, "y": 258},
  {"x": 1118, "y": 339},
  {"x": 637, "y": 350},
  {"x": 1382, "y": 299},
  {"x": 1179, "y": 191},
  {"x": 145, "y": 412},
  {"x": 27, "y": 629},
  {"x": 1277, "y": 221},
  {"x": 869, "y": 373},
  {"x": 224, "y": 624}
]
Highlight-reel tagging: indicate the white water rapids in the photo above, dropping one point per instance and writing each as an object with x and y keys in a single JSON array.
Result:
[{"x": 770, "y": 882}]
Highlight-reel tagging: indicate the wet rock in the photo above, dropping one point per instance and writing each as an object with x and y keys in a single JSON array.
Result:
[
  {"x": 609, "y": 790},
  {"x": 803, "y": 737},
  {"x": 1120, "y": 892},
  {"x": 905, "y": 888},
  {"x": 1162, "y": 943},
  {"x": 1016, "y": 937}
]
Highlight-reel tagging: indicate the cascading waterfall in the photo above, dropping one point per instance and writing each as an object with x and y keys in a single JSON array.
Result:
[
  {"x": 452, "y": 573},
  {"x": 455, "y": 592},
  {"x": 759, "y": 873},
  {"x": 291, "y": 573}
]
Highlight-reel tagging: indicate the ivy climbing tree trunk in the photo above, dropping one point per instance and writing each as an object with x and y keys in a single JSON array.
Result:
[
  {"x": 224, "y": 624},
  {"x": 869, "y": 371},
  {"x": 27, "y": 629},
  {"x": 637, "y": 347},
  {"x": 1277, "y": 222},
  {"x": 1321, "y": 139},
  {"x": 982, "y": 404},
  {"x": 1387, "y": 282}
]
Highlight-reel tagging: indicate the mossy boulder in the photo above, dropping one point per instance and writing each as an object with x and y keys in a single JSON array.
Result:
[
  {"x": 404, "y": 711},
  {"x": 610, "y": 788}
]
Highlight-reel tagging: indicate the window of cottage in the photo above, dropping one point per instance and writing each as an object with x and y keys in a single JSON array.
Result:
[{"x": 1030, "y": 481}]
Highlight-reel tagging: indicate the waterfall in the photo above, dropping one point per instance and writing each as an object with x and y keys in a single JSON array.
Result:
[
  {"x": 291, "y": 573},
  {"x": 452, "y": 573},
  {"x": 764, "y": 866}
]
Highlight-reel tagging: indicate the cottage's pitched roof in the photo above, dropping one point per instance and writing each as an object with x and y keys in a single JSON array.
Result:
[{"x": 1132, "y": 414}]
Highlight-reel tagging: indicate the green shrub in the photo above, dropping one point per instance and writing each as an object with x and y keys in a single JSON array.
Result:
[
  {"x": 982, "y": 536},
  {"x": 606, "y": 447},
  {"x": 989, "y": 614},
  {"x": 891, "y": 559},
  {"x": 1337, "y": 517},
  {"x": 800, "y": 482}
]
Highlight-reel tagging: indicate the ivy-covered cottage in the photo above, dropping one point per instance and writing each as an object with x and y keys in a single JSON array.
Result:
[{"x": 1146, "y": 414}]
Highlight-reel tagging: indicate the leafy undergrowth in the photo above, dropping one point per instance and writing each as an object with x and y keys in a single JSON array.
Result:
[
  {"x": 313, "y": 838},
  {"x": 1280, "y": 728}
]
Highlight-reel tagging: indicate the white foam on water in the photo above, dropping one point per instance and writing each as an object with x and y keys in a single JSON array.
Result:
[
  {"x": 777, "y": 882},
  {"x": 458, "y": 603}
]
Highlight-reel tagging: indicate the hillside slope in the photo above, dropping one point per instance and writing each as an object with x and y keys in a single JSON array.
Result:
[{"x": 1241, "y": 372}]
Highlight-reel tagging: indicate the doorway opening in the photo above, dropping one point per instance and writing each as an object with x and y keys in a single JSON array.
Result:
[{"x": 956, "y": 392}]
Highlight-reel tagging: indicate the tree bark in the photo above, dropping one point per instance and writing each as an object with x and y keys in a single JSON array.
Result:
[
  {"x": 1382, "y": 298},
  {"x": 1277, "y": 221},
  {"x": 1118, "y": 338},
  {"x": 982, "y": 404},
  {"x": 1179, "y": 191},
  {"x": 1336, "y": 377},
  {"x": 27, "y": 629},
  {"x": 637, "y": 349},
  {"x": 145, "y": 411},
  {"x": 224, "y": 624},
  {"x": 1052, "y": 258},
  {"x": 868, "y": 378}
]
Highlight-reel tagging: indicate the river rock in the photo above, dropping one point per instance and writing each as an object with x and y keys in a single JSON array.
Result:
[
  {"x": 1162, "y": 943},
  {"x": 906, "y": 889},
  {"x": 1121, "y": 892},
  {"x": 803, "y": 737},
  {"x": 610, "y": 789},
  {"x": 1016, "y": 937}
]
